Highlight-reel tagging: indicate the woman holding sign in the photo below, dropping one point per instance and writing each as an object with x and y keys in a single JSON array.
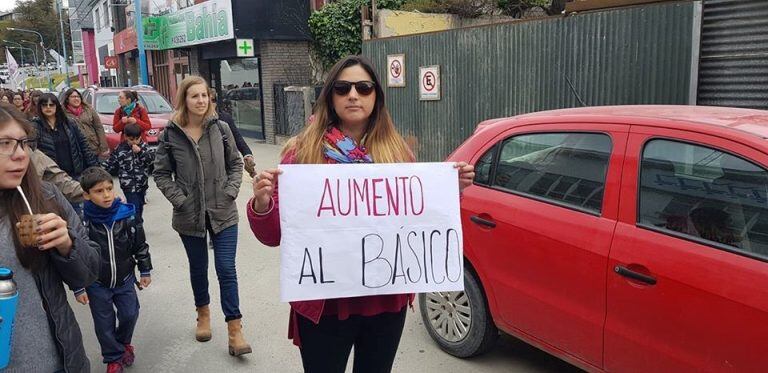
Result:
[
  {"x": 350, "y": 124},
  {"x": 198, "y": 168}
]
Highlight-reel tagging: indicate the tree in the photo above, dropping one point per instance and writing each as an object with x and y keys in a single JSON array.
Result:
[
  {"x": 40, "y": 16},
  {"x": 336, "y": 30}
]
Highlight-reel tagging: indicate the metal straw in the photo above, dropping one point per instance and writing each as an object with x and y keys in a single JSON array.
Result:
[{"x": 24, "y": 197}]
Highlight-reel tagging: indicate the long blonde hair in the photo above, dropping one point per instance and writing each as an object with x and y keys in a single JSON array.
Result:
[
  {"x": 181, "y": 115},
  {"x": 384, "y": 143}
]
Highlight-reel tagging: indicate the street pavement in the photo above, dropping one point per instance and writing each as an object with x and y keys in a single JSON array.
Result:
[{"x": 164, "y": 338}]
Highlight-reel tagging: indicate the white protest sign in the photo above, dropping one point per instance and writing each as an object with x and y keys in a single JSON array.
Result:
[{"x": 365, "y": 229}]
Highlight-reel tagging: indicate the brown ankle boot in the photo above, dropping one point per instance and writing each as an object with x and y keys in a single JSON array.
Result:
[
  {"x": 237, "y": 344},
  {"x": 203, "y": 330}
]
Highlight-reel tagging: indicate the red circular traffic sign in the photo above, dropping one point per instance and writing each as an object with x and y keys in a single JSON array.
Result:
[
  {"x": 429, "y": 81},
  {"x": 395, "y": 68}
]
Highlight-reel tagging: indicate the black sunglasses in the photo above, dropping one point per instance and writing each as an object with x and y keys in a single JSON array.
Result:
[{"x": 363, "y": 87}]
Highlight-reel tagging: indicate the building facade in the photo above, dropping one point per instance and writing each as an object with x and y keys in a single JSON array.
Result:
[{"x": 243, "y": 48}]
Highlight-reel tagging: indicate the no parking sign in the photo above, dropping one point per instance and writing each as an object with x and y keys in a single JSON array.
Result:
[
  {"x": 429, "y": 83},
  {"x": 396, "y": 70}
]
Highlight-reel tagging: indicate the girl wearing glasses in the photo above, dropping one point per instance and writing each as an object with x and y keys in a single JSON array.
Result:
[
  {"x": 61, "y": 139},
  {"x": 351, "y": 124},
  {"x": 88, "y": 121},
  {"x": 46, "y": 338}
]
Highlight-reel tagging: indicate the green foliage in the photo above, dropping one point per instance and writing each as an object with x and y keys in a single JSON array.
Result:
[
  {"x": 390, "y": 4},
  {"x": 424, "y": 6},
  {"x": 336, "y": 29},
  {"x": 516, "y": 8},
  {"x": 462, "y": 8}
]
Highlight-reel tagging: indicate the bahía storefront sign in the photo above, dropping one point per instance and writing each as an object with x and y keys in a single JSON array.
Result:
[{"x": 207, "y": 22}]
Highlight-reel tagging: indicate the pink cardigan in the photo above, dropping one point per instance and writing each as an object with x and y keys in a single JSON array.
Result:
[{"x": 266, "y": 227}]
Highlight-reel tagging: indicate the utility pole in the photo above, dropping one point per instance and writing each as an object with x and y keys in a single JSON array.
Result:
[
  {"x": 37, "y": 65},
  {"x": 42, "y": 45},
  {"x": 63, "y": 44},
  {"x": 143, "y": 73}
]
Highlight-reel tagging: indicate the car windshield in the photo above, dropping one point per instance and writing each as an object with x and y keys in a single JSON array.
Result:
[{"x": 106, "y": 102}]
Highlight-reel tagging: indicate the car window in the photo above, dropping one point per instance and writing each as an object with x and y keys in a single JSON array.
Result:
[
  {"x": 704, "y": 194},
  {"x": 566, "y": 168},
  {"x": 106, "y": 102},
  {"x": 483, "y": 167}
]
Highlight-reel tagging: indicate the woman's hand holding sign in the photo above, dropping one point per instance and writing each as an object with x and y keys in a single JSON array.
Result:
[
  {"x": 466, "y": 174},
  {"x": 263, "y": 189}
]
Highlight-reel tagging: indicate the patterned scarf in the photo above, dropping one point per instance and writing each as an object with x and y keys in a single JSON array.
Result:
[
  {"x": 128, "y": 109},
  {"x": 342, "y": 149},
  {"x": 76, "y": 111}
]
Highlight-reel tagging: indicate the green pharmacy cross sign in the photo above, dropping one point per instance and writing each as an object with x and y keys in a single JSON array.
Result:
[{"x": 245, "y": 48}]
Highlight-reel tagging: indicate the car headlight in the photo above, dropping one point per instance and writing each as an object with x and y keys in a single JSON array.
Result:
[{"x": 108, "y": 129}]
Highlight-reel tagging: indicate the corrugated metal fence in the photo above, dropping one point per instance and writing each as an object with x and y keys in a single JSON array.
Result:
[
  {"x": 636, "y": 55},
  {"x": 734, "y": 54}
]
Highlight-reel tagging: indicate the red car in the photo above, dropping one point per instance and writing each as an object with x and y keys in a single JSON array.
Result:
[
  {"x": 628, "y": 239},
  {"x": 104, "y": 100}
]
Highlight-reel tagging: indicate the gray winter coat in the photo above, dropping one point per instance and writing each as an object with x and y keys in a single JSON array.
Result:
[{"x": 199, "y": 179}]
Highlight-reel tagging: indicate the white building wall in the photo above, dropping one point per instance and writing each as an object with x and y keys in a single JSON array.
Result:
[{"x": 102, "y": 25}]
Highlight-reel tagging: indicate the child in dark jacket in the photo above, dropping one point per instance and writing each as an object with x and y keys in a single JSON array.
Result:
[
  {"x": 131, "y": 162},
  {"x": 113, "y": 226}
]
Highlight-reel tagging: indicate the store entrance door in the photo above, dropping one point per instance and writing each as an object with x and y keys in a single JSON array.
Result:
[{"x": 241, "y": 95}]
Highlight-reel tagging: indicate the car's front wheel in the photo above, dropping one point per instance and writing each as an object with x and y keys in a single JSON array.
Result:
[{"x": 459, "y": 321}]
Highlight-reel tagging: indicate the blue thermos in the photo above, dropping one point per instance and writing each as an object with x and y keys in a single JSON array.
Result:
[{"x": 9, "y": 298}]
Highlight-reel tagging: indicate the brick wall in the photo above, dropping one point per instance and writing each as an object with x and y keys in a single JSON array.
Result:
[{"x": 282, "y": 62}]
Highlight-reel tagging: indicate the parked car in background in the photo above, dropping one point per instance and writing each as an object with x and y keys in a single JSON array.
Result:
[
  {"x": 626, "y": 239},
  {"x": 104, "y": 100}
]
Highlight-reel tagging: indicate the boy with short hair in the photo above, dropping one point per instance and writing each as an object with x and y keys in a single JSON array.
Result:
[
  {"x": 130, "y": 162},
  {"x": 113, "y": 226}
]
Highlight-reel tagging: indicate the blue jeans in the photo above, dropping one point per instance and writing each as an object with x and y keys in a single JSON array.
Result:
[
  {"x": 224, "y": 252},
  {"x": 137, "y": 200},
  {"x": 103, "y": 302}
]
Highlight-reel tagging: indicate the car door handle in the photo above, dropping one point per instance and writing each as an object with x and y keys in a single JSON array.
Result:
[
  {"x": 628, "y": 273},
  {"x": 484, "y": 222}
]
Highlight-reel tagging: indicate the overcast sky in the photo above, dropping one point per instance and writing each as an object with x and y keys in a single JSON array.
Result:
[{"x": 6, "y": 5}]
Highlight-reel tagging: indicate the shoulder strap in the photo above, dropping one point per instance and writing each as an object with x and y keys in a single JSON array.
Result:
[
  {"x": 224, "y": 136},
  {"x": 169, "y": 149},
  {"x": 224, "y": 141}
]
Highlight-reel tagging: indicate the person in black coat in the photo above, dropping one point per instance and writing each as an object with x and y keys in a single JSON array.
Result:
[
  {"x": 60, "y": 139},
  {"x": 248, "y": 163}
]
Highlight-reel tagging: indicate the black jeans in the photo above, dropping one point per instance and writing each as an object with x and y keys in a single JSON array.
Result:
[{"x": 325, "y": 347}]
